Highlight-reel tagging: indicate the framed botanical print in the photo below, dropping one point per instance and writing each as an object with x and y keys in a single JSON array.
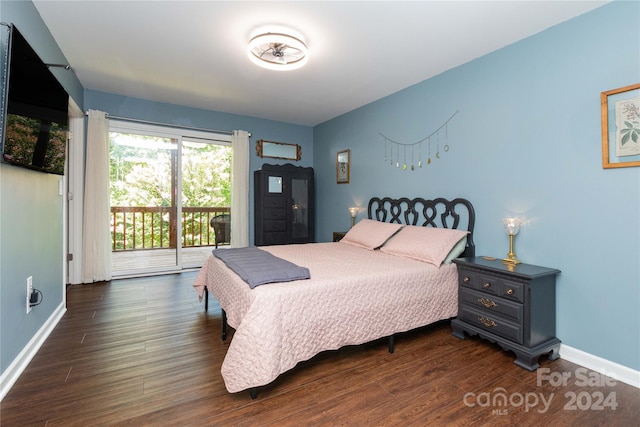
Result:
[
  {"x": 343, "y": 166},
  {"x": 621, "y": 127}
]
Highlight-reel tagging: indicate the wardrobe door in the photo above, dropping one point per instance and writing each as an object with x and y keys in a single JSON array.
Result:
[{"x": 301, "y": 205}]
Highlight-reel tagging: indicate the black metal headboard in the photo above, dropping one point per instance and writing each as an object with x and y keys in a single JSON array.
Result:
[{"x": 439, "y": 213}]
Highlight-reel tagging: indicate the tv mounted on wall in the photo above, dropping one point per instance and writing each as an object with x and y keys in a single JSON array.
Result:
[{"x": 35, "y": 110}]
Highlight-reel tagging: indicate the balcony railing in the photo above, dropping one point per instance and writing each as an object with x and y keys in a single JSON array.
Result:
[{"x": 148, "y": 227}]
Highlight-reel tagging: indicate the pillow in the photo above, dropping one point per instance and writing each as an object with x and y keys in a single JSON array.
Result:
[
  {"x": 370, "y": 234},
  {"x": 457, "y": 250},
  {"x": 427, "y": 244}
]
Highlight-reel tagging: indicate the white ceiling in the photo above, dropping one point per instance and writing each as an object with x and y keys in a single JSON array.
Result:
[{"x": 193, "y": 53}]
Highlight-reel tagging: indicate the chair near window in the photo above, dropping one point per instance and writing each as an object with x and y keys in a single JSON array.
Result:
[{"x": 221, "y": 225}]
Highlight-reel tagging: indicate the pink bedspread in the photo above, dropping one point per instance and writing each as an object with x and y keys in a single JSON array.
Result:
[{"x": 354, "y": 296}]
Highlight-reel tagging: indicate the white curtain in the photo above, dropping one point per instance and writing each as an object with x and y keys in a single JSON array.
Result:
[
  {"x": 240, "y": 189},
  {"x": 96, "y": 236}
]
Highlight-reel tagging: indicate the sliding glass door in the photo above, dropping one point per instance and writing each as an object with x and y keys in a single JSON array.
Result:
[
  {"x": 166, "y": 188},
  {"x": 205, "y": 198},
  {"x": 143, "y": 203}
]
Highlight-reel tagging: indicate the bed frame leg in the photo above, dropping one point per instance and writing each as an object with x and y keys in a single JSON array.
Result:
[
  {"x": 253, "y": 392},
  {"x": 224, "y": 325},
  {"x": 206, "y": 299},
  {"x": 391, "y": 344}
]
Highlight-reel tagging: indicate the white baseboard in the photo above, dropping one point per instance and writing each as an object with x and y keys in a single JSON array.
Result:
[
  {"x": 20, "y": 363},
  {"x": 603, "y": 366}
]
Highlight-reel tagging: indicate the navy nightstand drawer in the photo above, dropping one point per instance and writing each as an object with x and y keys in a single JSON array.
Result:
[
  {"x": 493, "y": 324},
  {"x": 492, "y": 305},
  {"x": 491, "y": 284}
]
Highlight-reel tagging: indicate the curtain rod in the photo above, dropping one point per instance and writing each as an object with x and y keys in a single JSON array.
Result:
[{"x": 149, "y": 122}]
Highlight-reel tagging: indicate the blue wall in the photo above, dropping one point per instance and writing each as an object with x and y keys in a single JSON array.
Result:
[
  {"x": 526, "y": 142},
  {"x": 31, "y": 213}
]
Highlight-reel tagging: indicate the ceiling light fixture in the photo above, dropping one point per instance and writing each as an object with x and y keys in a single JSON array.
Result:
[{"x": 277, "y": 51}]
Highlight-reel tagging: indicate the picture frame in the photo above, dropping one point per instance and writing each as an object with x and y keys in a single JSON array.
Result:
[
  {"x": 620, "y": 111},
  {"x": 278, "y": 150},
  {"x": 343, "y": 166}
]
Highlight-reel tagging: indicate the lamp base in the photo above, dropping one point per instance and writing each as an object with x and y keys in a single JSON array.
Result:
[{"x": 511, "y": 256}]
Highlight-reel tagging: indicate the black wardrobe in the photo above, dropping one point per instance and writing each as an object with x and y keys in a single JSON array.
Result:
[{"x": 284, "y": 207}]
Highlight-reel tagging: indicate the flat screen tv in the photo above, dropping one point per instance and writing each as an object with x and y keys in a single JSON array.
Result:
[{"x": 35, "y": 113}]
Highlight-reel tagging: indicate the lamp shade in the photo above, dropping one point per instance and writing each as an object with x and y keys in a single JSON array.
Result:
[{"x": 511, "y": 225}]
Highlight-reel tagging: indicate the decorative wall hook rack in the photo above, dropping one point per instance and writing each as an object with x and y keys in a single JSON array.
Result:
[{"x": 394, "y": 150}]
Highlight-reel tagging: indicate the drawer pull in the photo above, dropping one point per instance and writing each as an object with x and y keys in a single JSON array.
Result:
[
  {"x": 487, "y": 322},
  {"x": 466, "y": 279},
  {"x": 487, "y": 302},
  {"x": 509, "y": 291},
  {"x": 486, "y": 285}
]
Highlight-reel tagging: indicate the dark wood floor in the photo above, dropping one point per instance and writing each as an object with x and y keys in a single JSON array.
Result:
[{"x": 143, "y": 352}]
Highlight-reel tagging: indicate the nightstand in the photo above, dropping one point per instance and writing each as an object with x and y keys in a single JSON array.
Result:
[
  {"x": 338, "y": 235},
  {"x": 514, "y": 306}
]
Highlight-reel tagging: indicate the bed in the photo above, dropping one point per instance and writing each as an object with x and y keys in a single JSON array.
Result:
[{"x": 391, "y": 273}]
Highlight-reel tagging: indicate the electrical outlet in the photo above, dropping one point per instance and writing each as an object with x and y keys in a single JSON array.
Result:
[{"x": 29, "y": 292}]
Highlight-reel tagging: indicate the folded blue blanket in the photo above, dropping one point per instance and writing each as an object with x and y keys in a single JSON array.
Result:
[{"x": 258, "y": 267}]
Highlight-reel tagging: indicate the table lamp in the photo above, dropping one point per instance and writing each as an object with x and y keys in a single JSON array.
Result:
[
  {"x": 511, "y": 227},
  {"x": 353, "y": 212}
]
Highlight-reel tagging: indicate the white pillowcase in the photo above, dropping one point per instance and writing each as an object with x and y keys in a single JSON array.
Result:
[
  {"x": 370, "y": 234},
  {"x": 427, "y": 244}
]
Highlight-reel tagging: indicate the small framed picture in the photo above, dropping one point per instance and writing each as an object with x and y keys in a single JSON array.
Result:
[
  {"x": 343, "y": 166},
  {"x": 621, "y": 127}
]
